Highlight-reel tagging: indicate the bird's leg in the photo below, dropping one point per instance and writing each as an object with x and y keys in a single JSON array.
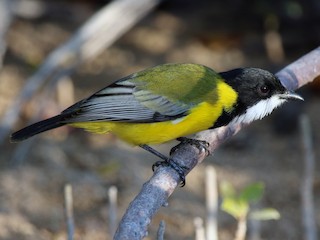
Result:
[
  {"x": 166, "y": 162},
  {"x": 154, "y": 152},
  {"x": 201, "y": 145}
]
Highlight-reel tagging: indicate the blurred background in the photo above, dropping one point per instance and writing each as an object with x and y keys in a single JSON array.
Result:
[{"x": 268, "y": 34}]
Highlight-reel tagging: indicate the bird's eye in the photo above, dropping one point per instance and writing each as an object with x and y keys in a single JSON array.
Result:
[{"x": 264, "y": 90}]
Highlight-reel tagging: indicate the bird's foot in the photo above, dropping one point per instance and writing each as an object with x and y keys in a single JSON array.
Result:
[
  {"x": 200, "y": 144},
  {"x": 179, "y": 169}
]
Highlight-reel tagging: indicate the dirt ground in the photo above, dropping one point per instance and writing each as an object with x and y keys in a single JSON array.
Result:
[{"x": 34, "y": 173}]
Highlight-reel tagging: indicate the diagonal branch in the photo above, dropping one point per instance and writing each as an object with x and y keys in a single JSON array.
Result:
[
  {"x": 157, "y": 190},
  {"x": 98, "y": 33},
  {"x": 6, "y": 17}
]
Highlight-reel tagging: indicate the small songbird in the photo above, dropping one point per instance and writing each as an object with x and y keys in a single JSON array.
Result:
[{"x": 169, "y": 101}]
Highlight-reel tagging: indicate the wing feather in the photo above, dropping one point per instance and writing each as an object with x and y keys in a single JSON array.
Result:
[{"x": 123, "y": 101}]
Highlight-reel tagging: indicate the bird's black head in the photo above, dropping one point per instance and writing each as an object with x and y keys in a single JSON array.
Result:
[
  {"x": 259, "y": 92},
  {"x": 253, "y": 84}
]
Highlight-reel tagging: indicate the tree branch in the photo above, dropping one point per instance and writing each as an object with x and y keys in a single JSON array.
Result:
[
  {"x": 98, "y": 33},
  {"x": 6, "y": 17},
  {"x": 157, "y": 190}
]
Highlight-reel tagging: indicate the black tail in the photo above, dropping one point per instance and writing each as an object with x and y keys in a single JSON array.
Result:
[{"x": 38, "y": 127}]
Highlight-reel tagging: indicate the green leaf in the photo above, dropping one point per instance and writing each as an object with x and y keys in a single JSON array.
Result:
[
  {"x": 253, "y": 192},
  {"x": 227, "y": 190},
  {"x": 265, "y": 214},
  {"x": 235, "y": 207}
]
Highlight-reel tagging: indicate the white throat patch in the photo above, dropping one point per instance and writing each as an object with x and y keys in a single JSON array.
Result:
[{"x": 259, "y": 110}]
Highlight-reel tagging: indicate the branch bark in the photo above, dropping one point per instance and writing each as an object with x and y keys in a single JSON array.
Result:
[{"x": 157, "y": 190}]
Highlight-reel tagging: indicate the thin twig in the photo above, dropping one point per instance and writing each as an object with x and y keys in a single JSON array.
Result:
[
  {"x": 308, "y": 217},
  {"x": 69, "y": 210},
  {"x": 113, "y": 209},
  {"x": 212, "y": 203},
  {"x": 6, "y": 16},
  {"x": 241, "y": 228},
  {"x": 199, "y": 229},
  {"x": 156, "y": 191},
  {"x": 254, "y": 224},
  {"x": 161, "y": 230},
  {"x": 98, "y": 33}
]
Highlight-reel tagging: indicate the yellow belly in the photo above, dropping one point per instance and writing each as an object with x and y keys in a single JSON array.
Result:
[{"x": 200, "y": 118}]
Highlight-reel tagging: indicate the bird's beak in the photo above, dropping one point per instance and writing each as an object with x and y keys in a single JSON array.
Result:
[{"x": 288, "y": 95}]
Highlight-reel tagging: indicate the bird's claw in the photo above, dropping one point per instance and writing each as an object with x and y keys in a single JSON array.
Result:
[
  {"x": 200, "y": 144},
  {"x": 158, "y": 164},
  {"x": 180, "y": 170}
]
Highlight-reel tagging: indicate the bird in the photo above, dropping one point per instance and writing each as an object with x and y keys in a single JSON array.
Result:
[{"x": 171, "y": 101}]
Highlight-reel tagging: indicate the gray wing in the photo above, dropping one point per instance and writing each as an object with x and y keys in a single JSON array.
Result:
[{"x": 123, "y": 102}]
